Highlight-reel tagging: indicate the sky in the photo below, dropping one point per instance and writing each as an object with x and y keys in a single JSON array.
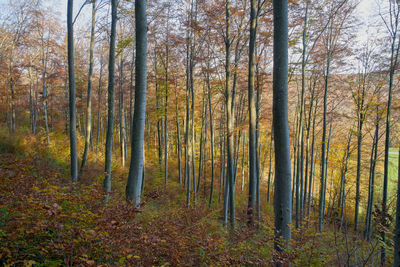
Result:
[{"x": 367, "y": 10}]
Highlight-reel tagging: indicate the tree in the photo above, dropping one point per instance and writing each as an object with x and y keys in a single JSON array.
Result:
[
  {"x": 252, "y": 113},
  {"x": 392, "y": 27},
  {"x": 397, "y": 229},
  {"x": 111, "y": 100},
  {"x": 229, "y": 184},
  {"x": 135, "y": 177},
  {"x": 282, "y": 197},
  {"x": 72, "y": 94},
  {"x": 89, "y": 88}
]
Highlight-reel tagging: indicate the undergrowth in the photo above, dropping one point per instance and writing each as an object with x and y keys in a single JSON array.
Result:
[{"x": 46, "y": 220}]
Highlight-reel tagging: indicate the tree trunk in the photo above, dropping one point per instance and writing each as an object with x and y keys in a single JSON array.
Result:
[
  {"x": 252, "y": 116},
  {"x": 282, "y": 201},
  {"x": 72, "y": 100},
  {"x": 111, "y": 100},
  {"x": 229, "y": 185},
  {"x": 371, "y": 186},
  {"x": 270, "y": 164},
  {"x": 121, "y": 109},
  {"x": 211, "y": 138},
  {"x": 178, "y": 137},
  {"x": 393, "y": 64},
  {"x": 89, "y": 89},
  {"x": 99, "y": 100},
  {"x": 397, "y": 229},
  {"x": 258, "y": 146},
  {"x": 166, "y": 103},
  {"x": 323, "y": 149},
  {"x": 136, "y": 170}
]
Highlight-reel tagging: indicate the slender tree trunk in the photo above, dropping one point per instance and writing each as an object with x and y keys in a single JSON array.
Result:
[
  {"x": 282, "y": 199},
  {"x": 44, "y": 87},
  {"x": 187, "y": 121},
  {"x": 252, "y": 116},
  {"x": 222, "y": 158},
  {"x": 211, "y": 138},
  {"x": 12, "y": 90},
  {"x": 131, "y": 88},
  {"x": 72, "y": 105},
  {"x": 166, "y": 103},
  {"x": 229, "y": 185},
  {"x": 122, "y": 124},
  {"x": 136, "y": 170},
  {"x": 178, "y": 137},
  {"x": 300, "y": 174},
  {"x": 270, "y": 164},
  {"x": 89, "y": 89},
  {"x": 323, "y": 149},
  {"x": 31, "y": 104},
  {"x": 326, "y": 166},
  {"x": 393, "y": 63},
  {"x": 258, "y": 146},
  {"x": 374, "y": 156},
  {"x": 111, "y": 100},
  {"x": 360, "y": 122},
  {"x": 243, "y": 159},
  {"x": 99, "y": 100},
  {"x": 202, "y": 137},
  {"x": 397, "y": 229},
  {"x": 192, "y": 124}
]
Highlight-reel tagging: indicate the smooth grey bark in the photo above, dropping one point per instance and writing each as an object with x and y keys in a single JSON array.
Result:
[
  {"x": 211, "y": 136},
  {"x": 270, "y": 164},
  {"x": 342, "y": 191},
  {"x": 295, "y": 158},
  {"x": 12, "y": 100},
  {"x": 89, "y": 89},
  {"x": 121, "y": 114},
  {"x": 252, "y": 115},
  {"x": 32, "y": 104},
  {"x": 136, "y": 170},
  {"x": 222, "y": 155},
  {"x": 159, "y": 120},
  {"x": 111, "y": 100},
  {"x": 166, "y": 102},
  {"x": 44, "y": 86},
  {"x": 230, "y": 184},
  {"x": 178, "y": 137},
  {"x": 397, "y": 227},
  {"x": 325, "y": 177},
  {"x": 187, "y": 120},
  {"x": 312, "y": 165},
  {"x": 202, "y": 141},
  {"x": 205, "y": 148},
  {"x": 300, "y": 141},
  {"x": 243, "y": 159},
  {"x": 371, "y": 184},
  {"x": 307, "y": 156},
  {"x": 72, "y": 94},
  {"x": 99, "y": 104},
  {"x": 193, "y": 19},
  {"x": 258, "y": 146},
  {"x": 323, "y": 145},
  {"x": 132, "y": 77},
  {"x": 393, "y": 64},
  {"x": 282, "y": 198},
  {"x": 360, "y": 102}
]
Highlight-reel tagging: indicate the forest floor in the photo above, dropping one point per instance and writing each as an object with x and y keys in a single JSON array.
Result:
[{"x": 45, "y": 220}]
